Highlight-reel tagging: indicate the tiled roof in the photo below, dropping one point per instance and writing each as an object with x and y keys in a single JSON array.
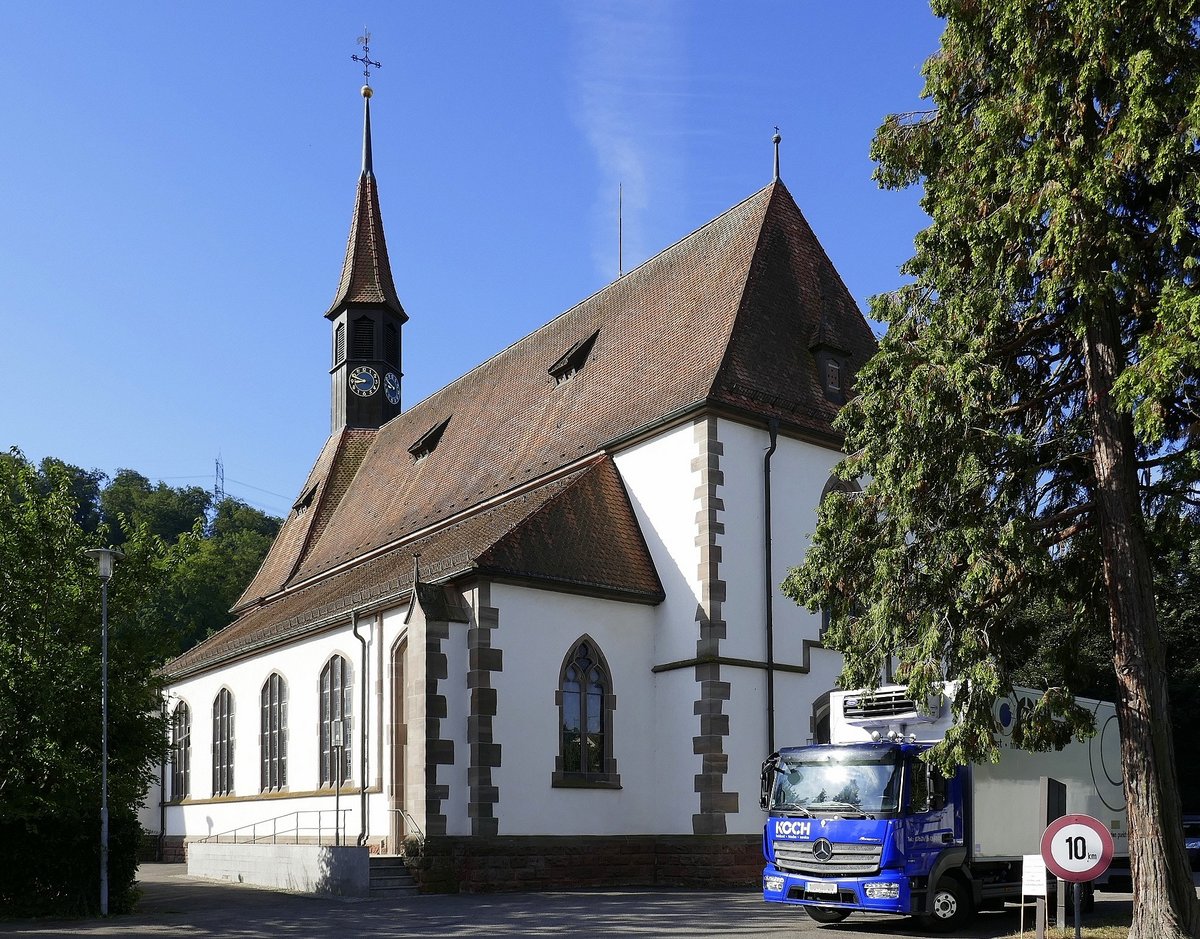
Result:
[
  {"x": 574, "y": 532},
  {"x": 663, "y": 330},
  {"x": 324, "y": 488},
  {"x": 722, "y": 318},
  {"x": 793, "y": 294},
  {"x": 366, "y": 272}
]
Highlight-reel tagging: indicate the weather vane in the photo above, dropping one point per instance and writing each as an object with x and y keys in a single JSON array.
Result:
[{"x": 365, "y": 41}]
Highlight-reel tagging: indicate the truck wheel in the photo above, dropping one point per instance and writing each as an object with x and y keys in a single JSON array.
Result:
[
  {"x": 950, "y": 907},
  {"x": 826, "y": 914}
]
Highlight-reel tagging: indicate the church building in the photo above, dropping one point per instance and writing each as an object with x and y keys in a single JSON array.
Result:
[{"x": 529, "y": 631}]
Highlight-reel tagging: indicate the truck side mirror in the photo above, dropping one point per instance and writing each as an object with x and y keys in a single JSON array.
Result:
[
  {"x": 937, "y": 790},
  {"x": 766, "y": 780}
]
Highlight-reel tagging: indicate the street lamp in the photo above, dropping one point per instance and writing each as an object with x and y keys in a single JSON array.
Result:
[
  {"x": 104, "y": 558},
  {"x": 337, "y": 792}
]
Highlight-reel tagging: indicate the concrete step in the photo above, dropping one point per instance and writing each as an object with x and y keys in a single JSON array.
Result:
[{"x": 390, "y": 878}]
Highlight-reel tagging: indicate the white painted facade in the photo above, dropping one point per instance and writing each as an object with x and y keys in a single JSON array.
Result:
[{"x": 647, "y": 648}]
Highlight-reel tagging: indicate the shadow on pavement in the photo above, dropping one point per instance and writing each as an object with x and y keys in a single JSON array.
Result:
[{"x": 176, "y": 905}]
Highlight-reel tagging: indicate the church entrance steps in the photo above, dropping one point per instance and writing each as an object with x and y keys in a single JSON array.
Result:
[{"x": 390, "y": 878}]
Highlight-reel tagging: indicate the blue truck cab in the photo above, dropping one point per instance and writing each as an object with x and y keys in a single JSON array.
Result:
[
  {"x": 863, "y": 826},
  {"x": 862, "y": 822}
]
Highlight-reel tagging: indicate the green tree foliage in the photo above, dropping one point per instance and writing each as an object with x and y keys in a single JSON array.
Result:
[
  {"x": 1062, "y": 652},
  {"x": 84, "y": 485},
  {"x": 181, "y": 573},
  {"x": 1035, "y": 397},
  {"x": 50, "y": 695},
  {"x": 210, "y": 580},
  {"x": 226, "y": 542},
  {"x": 166, "y": 511}
]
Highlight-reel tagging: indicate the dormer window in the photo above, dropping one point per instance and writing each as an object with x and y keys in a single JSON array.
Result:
[
  {"x": 831, "y": 359},
  {"x": 833, "y": 376},
  {"x": 305, "y": 501},
  {"x": 573, "y": 359},
  {"x": 428, "y": 441}
]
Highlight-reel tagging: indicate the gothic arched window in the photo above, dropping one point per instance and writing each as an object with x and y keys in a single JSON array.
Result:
[
  {"x": 181, "y": 751},
  {"x": 585, "y": 706},
  {"x": 335, "y": 722},
  {"x": 272, "y": 740},
  {"x": 222, "y": 743}
]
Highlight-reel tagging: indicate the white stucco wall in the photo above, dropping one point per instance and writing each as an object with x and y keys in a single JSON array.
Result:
[
  {"x": 655, "y": 721},
  {"x": 300, "y": 664},
  {"x": 324, "y": 870},
  {"x": 537, "y": 629},
  {"x": 661, "y": 484}
]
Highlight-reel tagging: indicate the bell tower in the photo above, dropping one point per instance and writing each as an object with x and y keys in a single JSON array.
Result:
[{"x": 366, "y": 314}]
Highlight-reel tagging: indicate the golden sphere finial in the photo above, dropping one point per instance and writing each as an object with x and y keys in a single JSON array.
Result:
[{"x": 366, "y": 91}]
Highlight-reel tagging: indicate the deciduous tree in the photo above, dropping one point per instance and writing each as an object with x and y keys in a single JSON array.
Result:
[{"x": 50, "y": 691}]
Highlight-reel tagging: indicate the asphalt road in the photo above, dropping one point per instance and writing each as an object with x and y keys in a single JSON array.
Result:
[{"x": 175, "y": 905}]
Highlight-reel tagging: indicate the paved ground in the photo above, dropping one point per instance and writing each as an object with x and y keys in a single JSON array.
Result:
[{"x": 175, "y": 905}]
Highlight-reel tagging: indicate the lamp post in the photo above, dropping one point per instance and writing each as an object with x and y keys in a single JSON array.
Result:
[
  {"x": 337, "y": 791},
  {"x": 104, "y": 557}
]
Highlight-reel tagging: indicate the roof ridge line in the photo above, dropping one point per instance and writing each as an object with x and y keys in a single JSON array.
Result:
[
  {"x": 595, "y": 293},
  {"x": 719, "y": 371},
  {"x": 310, "y": 537}
]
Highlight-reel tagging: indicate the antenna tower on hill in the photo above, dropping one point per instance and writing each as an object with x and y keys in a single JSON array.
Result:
[{"x": 219, "y": 483}]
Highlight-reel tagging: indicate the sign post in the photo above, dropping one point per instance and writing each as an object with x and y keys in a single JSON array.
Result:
[
  {"x": 1077, "y": 848},
  {"x": 1033, "y": 884}
]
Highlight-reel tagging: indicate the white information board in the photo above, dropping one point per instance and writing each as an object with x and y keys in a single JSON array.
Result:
[{"x": 1033, "y": 876}]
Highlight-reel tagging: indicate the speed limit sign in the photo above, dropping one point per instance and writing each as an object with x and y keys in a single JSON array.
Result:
[{"x": 1077, "y": 848}]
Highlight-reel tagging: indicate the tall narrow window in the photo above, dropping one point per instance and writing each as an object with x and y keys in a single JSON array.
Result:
[
  {"x": 586, "y": 704},
  {"x": 181, "y": 751},
  {"x": 222, "y": 744},
  {"x": 335, "y": 722},
  {"x": 272, "y": 740}
]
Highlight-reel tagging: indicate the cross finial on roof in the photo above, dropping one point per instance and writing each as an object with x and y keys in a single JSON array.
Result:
[
  {"x": 775, "y": 140},
  {"x": 365, "y": 59}
]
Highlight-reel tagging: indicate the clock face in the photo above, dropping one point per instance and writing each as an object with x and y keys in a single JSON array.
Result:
[
  {"x": 364, "y": 381},
  {"x": 391, "y": 387}
]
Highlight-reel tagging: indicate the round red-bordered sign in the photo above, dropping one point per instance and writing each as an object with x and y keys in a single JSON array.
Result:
[{"x": 1077, "y": 848}]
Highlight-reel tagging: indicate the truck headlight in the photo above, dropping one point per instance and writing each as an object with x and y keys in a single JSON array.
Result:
[
  {"x": 772, "y": 883},
  {"x": 882, "y": 891}
]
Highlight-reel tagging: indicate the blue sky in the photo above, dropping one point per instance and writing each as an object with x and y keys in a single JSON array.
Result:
[{"x": 177, "y": 180}]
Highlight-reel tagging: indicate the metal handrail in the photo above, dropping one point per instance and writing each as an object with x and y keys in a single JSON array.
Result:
[
  {"x": 411, "y": 821},
  {"x": 278, "y": 831}
]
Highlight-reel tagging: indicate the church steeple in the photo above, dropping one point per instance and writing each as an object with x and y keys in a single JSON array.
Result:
[{"x": 366, "y": 313}]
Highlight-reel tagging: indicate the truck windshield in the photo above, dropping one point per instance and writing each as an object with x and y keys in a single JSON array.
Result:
[{"x": 838, "y": 780}]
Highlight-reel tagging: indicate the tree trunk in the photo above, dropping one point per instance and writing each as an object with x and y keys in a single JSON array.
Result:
[{"x": 1164, "y": 898}]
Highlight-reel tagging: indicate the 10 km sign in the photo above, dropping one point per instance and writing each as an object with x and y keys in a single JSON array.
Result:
[{"x": 1077, "y": 848}]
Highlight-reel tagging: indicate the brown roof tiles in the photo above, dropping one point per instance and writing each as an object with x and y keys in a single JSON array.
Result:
[{"x": 722, "y": 318}]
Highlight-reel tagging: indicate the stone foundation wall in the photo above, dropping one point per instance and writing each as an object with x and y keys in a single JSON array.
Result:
[
  {"x": 174, "y": 850},
  {"x": 448, "y": 864}
]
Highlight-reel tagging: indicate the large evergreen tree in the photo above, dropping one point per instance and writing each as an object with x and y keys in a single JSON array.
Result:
[{"x": 1036, "y": 395}]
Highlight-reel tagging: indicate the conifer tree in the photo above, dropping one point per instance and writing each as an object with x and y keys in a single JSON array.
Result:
[{"x": 1036, "y": 395}]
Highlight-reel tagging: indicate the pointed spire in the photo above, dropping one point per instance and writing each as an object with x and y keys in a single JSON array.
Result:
[
  {"x": 366, "y": 272},
  {"x": 775, "y": 140},
  {"x": 366, "y": 93}
]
